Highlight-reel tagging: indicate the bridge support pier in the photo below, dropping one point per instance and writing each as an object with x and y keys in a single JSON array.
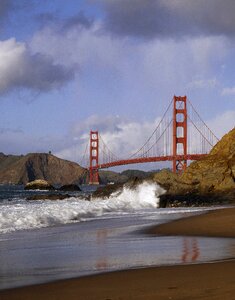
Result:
[
  {"x": 179, "y": 134},
  {"x": 94, "y": 158}
]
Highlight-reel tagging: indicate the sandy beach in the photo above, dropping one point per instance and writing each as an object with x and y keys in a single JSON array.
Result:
[
  {"x": 197, "y": 281},
  {"x": 217, "y": 223}
]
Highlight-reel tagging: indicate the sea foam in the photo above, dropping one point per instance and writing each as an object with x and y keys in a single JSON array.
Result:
[{"x": 36, "y": 214}]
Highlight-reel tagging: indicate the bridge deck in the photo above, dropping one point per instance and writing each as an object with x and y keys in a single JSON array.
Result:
[{"x": 148, "y": 159}]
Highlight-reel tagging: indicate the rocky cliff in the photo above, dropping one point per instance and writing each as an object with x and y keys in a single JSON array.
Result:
[
  {"x": 23, "y": 169},
  {"x": 213, "y": 176},
  {"x": 216, "y": 172}
]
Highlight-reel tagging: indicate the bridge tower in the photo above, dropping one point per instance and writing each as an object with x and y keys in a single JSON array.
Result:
[
  {"x": 179, "y": 134},
  {"x": 94, "y": 158}
]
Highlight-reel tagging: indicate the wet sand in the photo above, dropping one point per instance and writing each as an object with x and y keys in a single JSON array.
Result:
[
  {"x": 198, "y": 281},
  {"x": 217, "y": 223}
]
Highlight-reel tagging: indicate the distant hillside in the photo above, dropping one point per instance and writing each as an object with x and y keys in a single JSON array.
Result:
[
  {"x": 110, "y": 176},
  {"x": 138, "y": 173},
  {"x": 106, "y": 176},
  {"x": 23, "y": 169}
]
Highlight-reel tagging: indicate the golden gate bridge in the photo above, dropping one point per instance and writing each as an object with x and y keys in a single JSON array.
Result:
[{"x": 180, "y": 136}]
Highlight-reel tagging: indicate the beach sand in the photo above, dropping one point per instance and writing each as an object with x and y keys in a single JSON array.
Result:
[
  {"x": 216, "y": 223},
  {"x": 197, "y": 281}
]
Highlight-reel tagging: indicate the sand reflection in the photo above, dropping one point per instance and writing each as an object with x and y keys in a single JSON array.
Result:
[
  {"x": 101, "y": 239},
  {"x": 190, "y": 251}
]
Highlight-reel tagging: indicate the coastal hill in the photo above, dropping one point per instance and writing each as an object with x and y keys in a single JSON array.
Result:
[
  {"x": 25, "y": 168},
  {"x": 21, "y": 169}
]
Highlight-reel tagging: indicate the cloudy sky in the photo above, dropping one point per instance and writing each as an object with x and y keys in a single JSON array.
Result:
[{"x": 68, "y": 66}]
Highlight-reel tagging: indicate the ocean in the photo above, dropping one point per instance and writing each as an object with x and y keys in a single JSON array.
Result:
[{"x": 44, "y": 240}]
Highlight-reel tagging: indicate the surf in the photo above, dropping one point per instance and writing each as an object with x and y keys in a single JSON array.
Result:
[{"x": 37, "y": 214}]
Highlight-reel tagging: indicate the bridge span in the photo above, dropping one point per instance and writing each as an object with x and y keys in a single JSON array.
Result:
[{"x": 180, "y": 136}]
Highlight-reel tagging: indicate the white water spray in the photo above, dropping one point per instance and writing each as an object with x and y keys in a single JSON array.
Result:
[{"x": 28, "y": 215}]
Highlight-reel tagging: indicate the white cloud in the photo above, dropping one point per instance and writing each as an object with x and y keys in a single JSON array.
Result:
[
  {"x": 228, "y": 91},
  {"x": 123, "y": 137},
  {"x": 77, "y": 45},
  {"x": 223, "y": 123},
  {"x": 19, "y": 68},
  {"x": 141, "y": 69},
  {"x": 203, "y": 83}
]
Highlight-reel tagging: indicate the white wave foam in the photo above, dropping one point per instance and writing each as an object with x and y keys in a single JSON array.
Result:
[{"x": 26, "y": 215}]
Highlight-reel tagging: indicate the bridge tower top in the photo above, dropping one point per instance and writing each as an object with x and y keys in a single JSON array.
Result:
[
  {"x": 179, "y": 134},
  {"x": 94, "y": 157}
]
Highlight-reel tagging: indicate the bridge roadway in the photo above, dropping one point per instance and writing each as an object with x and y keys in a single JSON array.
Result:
[{"x": 148, "y": 159}]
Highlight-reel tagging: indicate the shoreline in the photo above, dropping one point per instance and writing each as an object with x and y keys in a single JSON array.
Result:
[
  {"x": 194, "y": 281},
  {"x": 213, "y": 280},
  {"x": 214, "y": 223}
]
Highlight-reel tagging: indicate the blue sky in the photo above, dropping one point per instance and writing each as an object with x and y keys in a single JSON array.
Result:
[{"x": 68, "y": 66}]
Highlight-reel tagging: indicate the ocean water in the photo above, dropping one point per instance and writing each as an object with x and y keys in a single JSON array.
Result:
[
  {"x": 17, "y": 213},
  {"x": 41, "y": 241}
]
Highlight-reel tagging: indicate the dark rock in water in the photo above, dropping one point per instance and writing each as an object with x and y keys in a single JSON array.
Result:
[
  {"x": 193, "y": 200},
  {"x": 106, "y": 191},
  {"x": 70, "y": 188},
  {"x": 55, "y": 197},
  {"x": 38, "y": 184},
  {"x": 49, "y": 197}
]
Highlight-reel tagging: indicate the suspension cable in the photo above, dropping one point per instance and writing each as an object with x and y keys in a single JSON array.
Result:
[
  {"x": 203, "y": 121},
  {"x": 114, "y": 155},
  {"x": 154, "y": 130}
]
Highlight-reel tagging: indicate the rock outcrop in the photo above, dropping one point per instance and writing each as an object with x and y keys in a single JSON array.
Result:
[
  {"x": 105, "y": 192},
  {"x": 23, "y": 169},
  {"x": 70, "y": 188},
  {"x": 210, "y": 180},
  {"x": 38, "y": 184},
  {"x": 215, "y": 172},
  {"x": 52, "y": 197}
]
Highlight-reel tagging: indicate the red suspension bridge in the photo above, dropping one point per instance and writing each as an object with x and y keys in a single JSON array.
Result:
[{"x": 179, "y": 137}]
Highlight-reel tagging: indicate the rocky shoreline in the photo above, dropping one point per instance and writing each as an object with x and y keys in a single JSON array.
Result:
[
  {"x": 209, "y": 181},
  {"x": 186, "y": 199},
  {"x": 196, "y": 200},
  {"x": 56, "y": 193}
]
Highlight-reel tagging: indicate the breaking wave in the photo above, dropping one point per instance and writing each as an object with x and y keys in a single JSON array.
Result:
[{"x": 28, "y": 215}]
